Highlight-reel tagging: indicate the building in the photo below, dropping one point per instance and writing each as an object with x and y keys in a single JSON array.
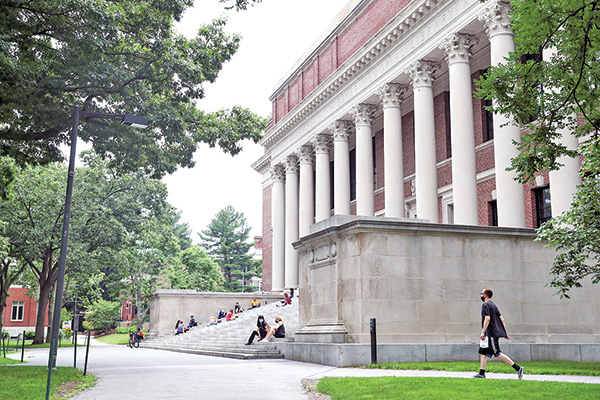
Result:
[
  {"x": 379, "y": 119},
  {"x": 386, "y": 194},
  {"x": 20, "y": 312}
]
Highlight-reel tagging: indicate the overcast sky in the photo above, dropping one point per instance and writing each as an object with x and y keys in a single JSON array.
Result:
[{"x": 275, "y": 35}]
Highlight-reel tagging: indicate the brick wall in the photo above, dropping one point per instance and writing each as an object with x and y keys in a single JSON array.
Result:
[{"x": 16, "y": 294}]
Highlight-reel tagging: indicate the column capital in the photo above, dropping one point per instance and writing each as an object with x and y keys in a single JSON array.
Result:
[
  {"x": 391, "y": 94},
  {"x": 277, "y": 173},
  {"x": 496, "y": 19},
  {"x": 305, "y": 154},
  {"x": 321, "y": 142},
  {"x": 291, "y": 164},
  {"x": 341, "y": 129},
  {"x": 458, "y": 47},
  {"x": 364, "y": 113},
  {"x": 421, "y": 73}
]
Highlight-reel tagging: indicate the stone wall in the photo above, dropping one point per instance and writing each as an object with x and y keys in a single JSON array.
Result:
[
  {"x": 421, "y": 281},
  {"x": 167, "y": 306}
]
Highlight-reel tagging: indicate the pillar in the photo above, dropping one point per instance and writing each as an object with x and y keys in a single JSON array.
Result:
[
  {"x": 462, "y": 131},
  {"x": 341, "y": 166},
  {"x": 322, "y": 176},
  {"x": 510, "y": 198},
  {"x": 421, "y": 73},
  {"x": 391, "y": 98},
  {"x": 363, "y": 119},
  {"x": 278, "y": 227},
  {"x": 307, "y": 203},
  {"x": 291, "y": 222}
]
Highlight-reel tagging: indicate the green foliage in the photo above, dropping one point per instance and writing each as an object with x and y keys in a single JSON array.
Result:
[
  {"x": 88, "y": 326},
  {"x": 104, "y": 315},
  {"x": 125, "y": 330},
  {"x": 65, "y": 334},
  {"x": 118, "y": 58},
  {"x": 29, "y": 382},
  {"x": 197, "y": 271},
  {"x": 452, "y": 388},
  {"x": 225, "y": 239},
  {"x": 563, "y": 91},
  {"x": 29, "y": 335}
]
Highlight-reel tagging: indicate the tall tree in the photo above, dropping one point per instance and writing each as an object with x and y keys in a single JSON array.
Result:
[
  {"x": 115, "y": 57},
  {"x": 562, "y": 91},
  {"x": 196, "y": 270},
  {"x": 226, "y": 239}
]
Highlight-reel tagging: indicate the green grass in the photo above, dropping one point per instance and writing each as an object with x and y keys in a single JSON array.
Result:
[
  {"x": 4, "y": 361},
  {"x": 29, "y": 345},
  {"x": 533, "y": 368},
  {"x": 29, "y": 382},
  {"x": 115, "y": 338},
  {"x": 453, "y": 388}
]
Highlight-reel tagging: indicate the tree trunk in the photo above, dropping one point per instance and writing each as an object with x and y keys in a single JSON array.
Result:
[
  {"x": 51, "y": 300},
  {"x": 41, "y": 312}
]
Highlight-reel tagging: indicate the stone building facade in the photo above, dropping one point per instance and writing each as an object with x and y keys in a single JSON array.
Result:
[{"x": 379, "y": 119}]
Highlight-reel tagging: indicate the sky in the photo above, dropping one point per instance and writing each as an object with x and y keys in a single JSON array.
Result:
[{"x": 275, "y": 35}]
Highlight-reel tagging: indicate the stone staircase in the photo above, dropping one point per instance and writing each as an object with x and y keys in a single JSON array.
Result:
[{"x": 227, "y": 339}]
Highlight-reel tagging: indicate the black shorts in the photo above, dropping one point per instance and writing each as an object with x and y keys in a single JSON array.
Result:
[{"x": 493, "y": 348}]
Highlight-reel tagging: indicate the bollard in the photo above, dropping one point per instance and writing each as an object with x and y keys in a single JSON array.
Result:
[
  {"x": 51, "y": 362},
  {"x": 23, "y": 347},
  {"x": 75, "y": 350},
  {"x": 373, "y": 341},
  {"x": 87, "y": 351},
  {"x": 18, "y": 339}
]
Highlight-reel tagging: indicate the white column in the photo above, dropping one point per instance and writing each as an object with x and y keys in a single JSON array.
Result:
[
  {"x": 278, "y": 228},
  {"x": 391, "y": 98},
  {"x": 307, "y": 202},
  {"x": 563, "y": 182},
  {"x": 322, "y": 176},
  {"x": 363, "y": 118},
  {"x": 341, "y": 166},
  {"x": 291, "y": 222},
  {"x": 510, "y": 198},
  {"x": 421, "y": 73},
  {"x": 462, "y": 131}
]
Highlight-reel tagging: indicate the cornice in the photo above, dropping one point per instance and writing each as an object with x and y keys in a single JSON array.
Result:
[
  {"x": 263, "y": 164},
  {"x": 363, "y": 57}
]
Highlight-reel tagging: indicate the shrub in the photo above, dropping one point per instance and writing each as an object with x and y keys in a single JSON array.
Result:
[
  {"x": 126, "y": 330},
  {"x": 65, "y": 334},
  {"x": 104, "y": 314},
  {"x": 29, "y": 335}
]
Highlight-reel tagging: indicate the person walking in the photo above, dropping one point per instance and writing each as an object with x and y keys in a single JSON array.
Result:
[{"x": 493, "y": 328}]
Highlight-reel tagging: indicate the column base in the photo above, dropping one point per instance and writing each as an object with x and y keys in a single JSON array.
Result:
[{"x": 333, "y": 332}]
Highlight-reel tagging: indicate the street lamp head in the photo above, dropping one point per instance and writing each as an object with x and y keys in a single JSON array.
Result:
[{"x": 134, "y": 121}]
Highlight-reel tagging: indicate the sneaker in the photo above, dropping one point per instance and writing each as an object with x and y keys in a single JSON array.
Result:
[
  {"x": 520, "y": 372},
  {"x": 248, "y": 344},
  {"x": 259, "y": 339},
  {"x": 479, "y": 376}
]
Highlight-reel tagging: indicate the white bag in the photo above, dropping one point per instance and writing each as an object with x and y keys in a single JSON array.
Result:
[{"x": 483, "y": 343}]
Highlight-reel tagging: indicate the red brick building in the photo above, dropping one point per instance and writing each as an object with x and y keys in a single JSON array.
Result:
[
  {"x": 20, "y": 312},
  {"x": 380, "y": 120}
]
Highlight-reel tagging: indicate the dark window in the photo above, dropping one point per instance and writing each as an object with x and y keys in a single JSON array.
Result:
[
  {"x": 331, "y": 185},
  {"x": 489, "y": 121},
  {"x": 374, "y": 165},
  {"x": 352, "y": 174},
  {"x": 493, "y": 213},
  {"x": 17, "y": 310},
  {"x": 543, "y": 205}
]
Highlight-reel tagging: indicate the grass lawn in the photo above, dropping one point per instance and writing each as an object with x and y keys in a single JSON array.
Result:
[
  {"x": 29, "y": 382},
  {"x": 4, "y": 361},
  {"x": 115, "y": 338},
  {"x": 453, "y": 388},
  {"x": 533, "y": 368}
]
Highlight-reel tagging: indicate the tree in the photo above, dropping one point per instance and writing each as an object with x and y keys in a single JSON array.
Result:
[
  {"x": 104, "y": 314},
  {"x": 197, "y": 271},
  {"x": 115, "y": 57},
  {"x": 225, "y": 238},
  {"x": 562, "y": 91}
]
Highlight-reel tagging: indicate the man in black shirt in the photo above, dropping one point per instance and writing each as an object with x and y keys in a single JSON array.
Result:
[{"x": 493, "y": 328}]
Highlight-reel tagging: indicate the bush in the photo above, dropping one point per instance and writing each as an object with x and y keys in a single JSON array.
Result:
[
  {"x": 104, "y": 315},
  {"x": 65, "y": 334},
  {"x": 4, "y": 334},
  {"x": 29, "y": 335},
  {"x": 126, "y": 330},
  {"x": 87, "y": 325}
]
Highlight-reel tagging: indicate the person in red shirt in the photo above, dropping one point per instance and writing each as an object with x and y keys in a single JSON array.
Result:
[{"x": 230, "y": 316}]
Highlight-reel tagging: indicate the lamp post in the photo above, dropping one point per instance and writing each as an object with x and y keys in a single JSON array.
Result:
[{"x": 130, "y": 120}]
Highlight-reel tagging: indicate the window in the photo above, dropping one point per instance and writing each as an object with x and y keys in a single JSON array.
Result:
[
  {"x": 352, "y": 174},
  {"x": 331, "y": 184},
  {"x": 493, "y": 213},
  {"x": 489, "y": 121},
  {"x": 543, "y": 205},
  {"x": 17, "y": 310},
  {"x": 374, "y": 165}
]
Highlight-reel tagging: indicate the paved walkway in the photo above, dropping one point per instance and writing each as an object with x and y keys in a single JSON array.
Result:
[{"x": 153, "y": 374}]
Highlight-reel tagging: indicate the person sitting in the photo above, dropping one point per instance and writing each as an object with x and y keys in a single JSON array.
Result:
[
  {"x": 192, "y": 322},
  {"x": 262, "y": 329},
  {"x": 181, "y": 328},
  {"x": 221, "y": 313},
  {"x": 229, "y": 316},
  {"x": 291, "y": 293},
  {"x": 140, "y": 334},
  {"x": 287, "y": 300},
  {"x": 212, "y": 320},
  {"x": 255, "y": 303},
  {"x": 278, "y": 331},
  {"x": 238, "y": 308}
]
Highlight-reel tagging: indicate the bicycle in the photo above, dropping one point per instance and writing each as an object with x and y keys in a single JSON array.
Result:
[{"x": 134, "y": 341}]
